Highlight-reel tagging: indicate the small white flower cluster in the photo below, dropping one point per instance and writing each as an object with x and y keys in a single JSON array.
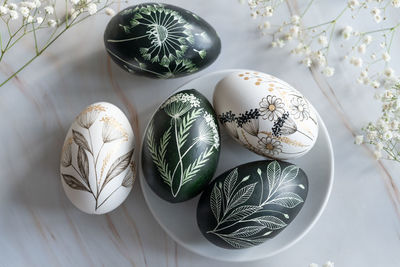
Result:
[
  {"x": 326, "y": 264},
  {"x": 184, "y": 98},
  {"x": 384, "y": 134},
  {"x": 312, "y": 43},
  {"x": 27, "y": 10},
  {"x": 27, "y": 17},
  {"x": 370, "y": 53},
  {"x": 211, "y": 123}
]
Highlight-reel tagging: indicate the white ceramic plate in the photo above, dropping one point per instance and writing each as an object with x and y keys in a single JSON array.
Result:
[{"x": 179, "y": 220}]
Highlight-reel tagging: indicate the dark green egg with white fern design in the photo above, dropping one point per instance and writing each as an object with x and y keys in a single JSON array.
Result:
[
  {"x": 251, "y": 203},
  {"x": 181, "y": 147},
  {"x": 161, "y": 41}
]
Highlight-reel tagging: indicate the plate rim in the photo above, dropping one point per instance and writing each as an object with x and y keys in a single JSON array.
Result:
[{"x": 283, "y": 248}]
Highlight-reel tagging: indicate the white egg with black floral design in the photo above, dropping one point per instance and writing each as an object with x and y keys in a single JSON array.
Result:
[
  {"x": 97, "y": 161},
  {"x": 266, "y": 115}
]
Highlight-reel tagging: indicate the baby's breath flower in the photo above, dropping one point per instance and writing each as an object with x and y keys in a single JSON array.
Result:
[
  {"x": 92, "y": 8},
  {"x": 37, "y": 3},
  {"x": 12, "y": 6},
  {"x": 386, "y": 57},
  {"x": 328, "y": 264},
  {"x": 49, "y": 10},
  {"x": 109, "y": 11},
  {"x": 353, "y": 4},
  {"x": 362, "y": 48},
  {"x": 253, "y": 15},
  {"x": 375, "y": 11},
  {"x": 367, "y": 39},
  {"x": 376, "y": 84},
  {"x": 356, "y": 61},
  {"x": 377, "y": 18},
  {"x": 13, "y": 14},
  {"x": 346, "y": 32},
  {"x": 24, "y": 11},
  {"x": 359, "y": 139},
  {"x": 388, "y": 72},
  {"x": 323, "y": 41},
  {"x": 39, "y": 20},
  {"x": 269, "y": 11},
  {"x": 396, "y": 3},
  {"x": 52, "y": 23},
  {"x": 295, "y": 19},
  {"x": 3, "y": 10},
  {"x": 329, "y": 71},
  {"x": 307, "y": 62}
]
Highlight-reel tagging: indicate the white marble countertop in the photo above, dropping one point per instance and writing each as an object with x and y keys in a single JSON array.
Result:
[{"x": 40, "y": 227}]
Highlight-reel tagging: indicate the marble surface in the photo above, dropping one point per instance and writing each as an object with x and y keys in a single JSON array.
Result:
[{"x": 40, "y": 227}]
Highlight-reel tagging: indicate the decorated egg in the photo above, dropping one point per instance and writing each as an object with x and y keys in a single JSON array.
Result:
[
  {"x": 266, "y": 115},
  {"x": 181, "y": 147},
  {"x": 161, "y": 41},
  {"x": 97, "y": 160},
  {"x": 251, "y": 203}
]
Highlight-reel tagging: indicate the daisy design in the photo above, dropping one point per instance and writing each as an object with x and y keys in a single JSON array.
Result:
[
  {"x": 299, "y": 108},
  {"x": 271, "y": 107},
  {"x": 269, "y": 145}
]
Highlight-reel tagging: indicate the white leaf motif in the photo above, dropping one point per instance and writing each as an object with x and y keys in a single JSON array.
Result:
[
  {"x": 273, "y": 174},
  {"x": 287, "y": 199},
  {"x": 242, "y": 212},
  {"x": 241, "y": 196},
  {"x": 230, "y": 182},
  {"x": 237, "y": 243},
  {"x": 247, "y": 231},
  {"x": 289, "y": 173},
  {"x": 215, "y": 202},
  {"x": 271, "y": 222}
]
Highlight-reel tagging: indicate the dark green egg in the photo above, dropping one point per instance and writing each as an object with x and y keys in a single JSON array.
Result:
[
  {"x": 181, "y": 147},
  {"x": 161, "y": 41},
  {"x": 251, "y": 203}
]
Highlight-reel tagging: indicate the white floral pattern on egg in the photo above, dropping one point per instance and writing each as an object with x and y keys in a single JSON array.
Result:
[
  {"x": 266, "y": 115},
  {"x": 97, "y": 161}
]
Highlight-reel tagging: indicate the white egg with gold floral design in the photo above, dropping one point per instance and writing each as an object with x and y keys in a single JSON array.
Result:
[
  {"x": 97, "y": 161},
  {"x": 266, "y": 115}
]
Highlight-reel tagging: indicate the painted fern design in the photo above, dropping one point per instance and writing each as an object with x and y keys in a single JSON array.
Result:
[
  {"x": 186, "y": 124},
  {"x": 183, "y": 110},
  {"x": 158, "y": 153},
  {"x": 238, "y": 196}
]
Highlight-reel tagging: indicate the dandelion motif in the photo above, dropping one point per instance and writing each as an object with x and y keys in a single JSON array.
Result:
[
  {"x": 66, "y": 155},
  {"x": 89, "y": 116},
  {"x": 184, "y": 98},
  {"x": 208, "y": 131},
  {"x": 270, "y": 145},
  {"x": 177, "y": 109},
  {"x": 112, "y": 130},
  {"x": 205, "y": 134},
  {"x": 299, "y": 108},
  {"x": 168, "y": 33},
  {"x": 271, "y": 107}
]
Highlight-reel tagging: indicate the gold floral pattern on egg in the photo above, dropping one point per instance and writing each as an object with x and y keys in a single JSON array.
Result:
[{"x": 96, "y": 136}]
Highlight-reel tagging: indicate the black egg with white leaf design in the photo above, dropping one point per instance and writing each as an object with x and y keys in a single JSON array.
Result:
[
  {"x": 181, "y": 147},
  {"x": 251, "y": 203},
  {"x": 161, "y": 41}
]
